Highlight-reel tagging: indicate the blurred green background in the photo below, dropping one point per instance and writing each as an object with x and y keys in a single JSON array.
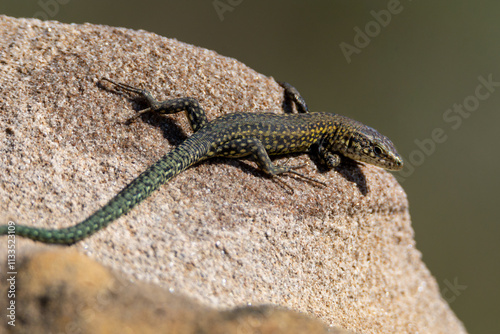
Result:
[{"x": 420, "y": 59}]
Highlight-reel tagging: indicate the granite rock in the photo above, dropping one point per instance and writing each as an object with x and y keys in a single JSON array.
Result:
[{"x": 62, "y": 291}]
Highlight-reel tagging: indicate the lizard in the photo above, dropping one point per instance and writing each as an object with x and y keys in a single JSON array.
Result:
[{"x": 328, "y": 136}]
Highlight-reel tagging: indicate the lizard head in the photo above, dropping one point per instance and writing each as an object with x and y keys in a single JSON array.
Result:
[{"x": 362, "y": 143}]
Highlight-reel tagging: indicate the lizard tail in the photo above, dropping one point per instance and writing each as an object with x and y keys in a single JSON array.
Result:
[{"x": 173, "y": 163}]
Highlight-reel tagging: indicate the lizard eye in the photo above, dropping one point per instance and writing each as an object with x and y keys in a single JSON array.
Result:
[{"x": 377, "y": 150}]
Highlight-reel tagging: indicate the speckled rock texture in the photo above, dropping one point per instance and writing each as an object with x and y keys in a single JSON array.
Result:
[
  {"x": 221, "y": 233},
  {"x": 62, "y": 291}
]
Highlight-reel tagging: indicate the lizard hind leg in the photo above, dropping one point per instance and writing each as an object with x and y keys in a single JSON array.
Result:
[{"x": 195, "y": 112}]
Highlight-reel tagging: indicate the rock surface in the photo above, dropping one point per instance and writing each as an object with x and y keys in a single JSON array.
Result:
[
  {"x": 62, "y": 291},
  {"x": 220, "y": 232}
]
